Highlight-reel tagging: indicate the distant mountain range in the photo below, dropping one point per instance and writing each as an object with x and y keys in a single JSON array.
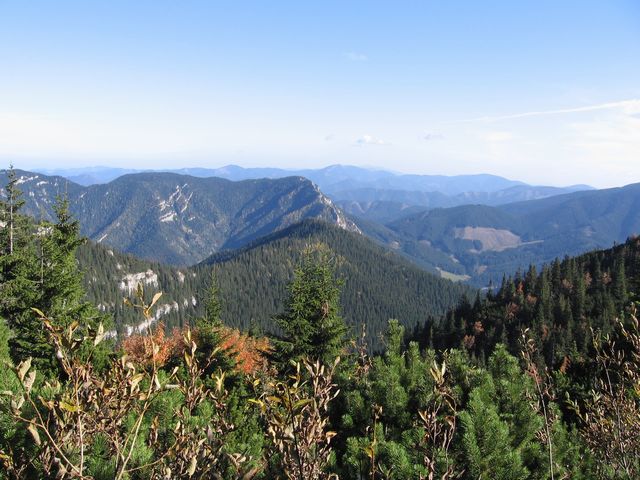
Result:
[
  {"x": 182, "y": 219},
  {"x": 480, "y": 243},
  {"x": 333, "y": 178},
  {"x": 343, "y": 183},
  {"x": 179, "y": 219},
  {"x": 381, "y": 205}
]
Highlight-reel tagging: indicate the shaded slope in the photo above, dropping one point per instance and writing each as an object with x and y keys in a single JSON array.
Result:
[{"x": 378, "y": 285}]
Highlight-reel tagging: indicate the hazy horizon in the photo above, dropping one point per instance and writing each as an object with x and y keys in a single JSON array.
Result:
[{"x": 53, "y": 170}]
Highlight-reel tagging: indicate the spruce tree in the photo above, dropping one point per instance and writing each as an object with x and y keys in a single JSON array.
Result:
[
  {"x": 47, "y": 278},
  {"x": 11, "y": 209},
  {"x": 619, "y": 287},
  {"x": 5, "y": 335},
  {"x": 18, "y": 270},
  {"x": 8, "y": 382},
  {"x": 61, "y": 279},
  {"x": 311, "y": 323},
  {"x": 210, "y": 330},
  {"x": 212, "y": 305}
]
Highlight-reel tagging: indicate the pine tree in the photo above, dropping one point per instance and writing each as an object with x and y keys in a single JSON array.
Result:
[
  {"x": 47, "y": 278},
  {"x": 18, "y": 266},
  {"x": 488, "y": 452},
  {"x": 311, "y": 322}
]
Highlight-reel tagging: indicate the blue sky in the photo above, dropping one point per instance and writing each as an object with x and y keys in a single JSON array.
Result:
[{"x": 546, "y": 92}]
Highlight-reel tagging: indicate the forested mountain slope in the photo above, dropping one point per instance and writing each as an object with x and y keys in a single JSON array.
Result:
[
  {"x": 562, "y": 305},
  {"x": 179, "y": 219},
  {"x": 378, "y": 285},
  {"x": 111, "y": 276},
  {"x": 482, "y": 242}
]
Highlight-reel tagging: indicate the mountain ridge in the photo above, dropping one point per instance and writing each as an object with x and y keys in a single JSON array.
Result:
[
  {"x": 339, "y": 181},
  {"x": 180, "y": 219}
]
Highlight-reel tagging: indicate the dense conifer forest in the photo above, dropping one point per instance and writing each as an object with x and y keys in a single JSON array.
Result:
[
  {"x": 562, "y": 306},
  {"x": 376, "y": 284},
  {"x": 537, "y": 380}
]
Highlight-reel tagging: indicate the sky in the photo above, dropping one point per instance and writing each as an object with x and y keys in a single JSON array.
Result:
[{"x": 545, "y": 92}]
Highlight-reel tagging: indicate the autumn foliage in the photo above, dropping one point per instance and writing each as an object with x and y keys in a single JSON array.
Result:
[
  {"x": 158, "y": 348},
  {"x": 155, "y": 348},
  {"x": 247, "y": 351}
]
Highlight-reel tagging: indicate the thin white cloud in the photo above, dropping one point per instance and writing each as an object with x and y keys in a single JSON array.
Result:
[
  {"x": 629, "y": 107},
  {"x": 612, "y": 137},
  {"x": 496, "y": 137},
  {"x": 356, "y": 57},
  {"x": 370, "y": 140},
  {"x": 432, "y": 136}
]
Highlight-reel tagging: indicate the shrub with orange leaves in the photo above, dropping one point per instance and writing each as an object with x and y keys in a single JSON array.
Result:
[
  {"x": 247, "y": 351},
  {"x": 469, "y": 341},
  {"x": 511, "y": 310},
  {"x": 478, "y": 328},
  {"x": 155, "y": 348}
]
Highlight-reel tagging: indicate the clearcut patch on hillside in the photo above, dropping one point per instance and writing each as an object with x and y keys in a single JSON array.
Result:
[
  {"x": 492, "y": 239},
  {"x": 454, "y": 277}
]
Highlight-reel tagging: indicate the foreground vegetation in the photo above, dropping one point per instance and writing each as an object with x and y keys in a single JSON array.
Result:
[{"x": 535, "y": 381}]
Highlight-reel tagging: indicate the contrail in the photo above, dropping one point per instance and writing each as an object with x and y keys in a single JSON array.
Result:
[{"x": 632, "y": 105}]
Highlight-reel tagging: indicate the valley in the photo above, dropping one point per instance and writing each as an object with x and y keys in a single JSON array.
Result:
[{"x": 485, "y": 243}]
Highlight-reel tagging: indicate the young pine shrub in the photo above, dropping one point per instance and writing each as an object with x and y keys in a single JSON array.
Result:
[{"x": 438, "y": 424}]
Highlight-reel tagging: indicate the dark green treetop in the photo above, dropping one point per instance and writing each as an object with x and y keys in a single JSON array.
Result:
[
  {"x": 311, "y": 323},
  {"x": 38, "y": 269}
]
